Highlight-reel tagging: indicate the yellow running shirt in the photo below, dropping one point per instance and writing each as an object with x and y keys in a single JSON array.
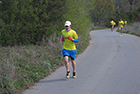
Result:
[
  {"x": 112, "y": 23},
  {"x": 125, "y": 22},
  {"x": 68, "y": 44},
  {"x": 121, "y": 23}
]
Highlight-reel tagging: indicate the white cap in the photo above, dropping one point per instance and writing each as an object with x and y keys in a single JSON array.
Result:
[{"x": 67, "y": 23}]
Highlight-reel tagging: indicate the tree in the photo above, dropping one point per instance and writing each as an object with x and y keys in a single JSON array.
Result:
[
  {"x": 28, "y": 21},
  {"x": 104, "y": 9},
  {"x": 127, "y": 9}
]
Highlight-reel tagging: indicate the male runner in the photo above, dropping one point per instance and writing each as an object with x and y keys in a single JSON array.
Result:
[
  {"x": 69, "y": 37},
  {"x": 120, "y": 23}
]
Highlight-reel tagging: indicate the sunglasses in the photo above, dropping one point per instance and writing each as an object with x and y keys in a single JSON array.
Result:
[{"x": 66, "y": 26}]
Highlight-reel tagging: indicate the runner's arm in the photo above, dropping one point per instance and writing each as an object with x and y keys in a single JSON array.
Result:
[{"x": 74, "y": 40}]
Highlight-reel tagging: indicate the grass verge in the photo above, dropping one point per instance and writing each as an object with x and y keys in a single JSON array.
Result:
[{"x": 22, "y": 66}]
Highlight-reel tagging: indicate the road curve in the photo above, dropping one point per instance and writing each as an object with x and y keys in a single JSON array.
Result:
[{"x": 109, "y": 65}]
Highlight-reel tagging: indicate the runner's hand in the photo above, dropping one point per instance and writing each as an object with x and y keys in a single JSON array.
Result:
[
  {"x": 70, "y": 38},
  {"x": 62, "y": 39},
  {"x": 74, "y": 40}
]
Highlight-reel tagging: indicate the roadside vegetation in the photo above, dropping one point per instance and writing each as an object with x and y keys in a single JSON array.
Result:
[
  {"x": 30, "y": 34},
  {"x": 22, "y": 66},
  {"x": 133, "y": 28}
]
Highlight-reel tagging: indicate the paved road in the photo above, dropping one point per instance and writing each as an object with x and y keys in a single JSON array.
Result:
[{"x": 109, "y": 65}]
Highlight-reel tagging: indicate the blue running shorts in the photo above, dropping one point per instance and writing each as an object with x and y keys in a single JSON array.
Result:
[
  {"x": 70, "y": 53},
  {"x": 121, "y": 27}
]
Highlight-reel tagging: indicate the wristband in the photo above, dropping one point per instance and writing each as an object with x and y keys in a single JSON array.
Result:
[{"x": 62, "y": 39}]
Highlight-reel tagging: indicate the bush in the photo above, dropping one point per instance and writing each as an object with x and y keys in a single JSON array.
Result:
[
  {"x": 28, "y": 21},
  {"x": 133, "y": 28}
]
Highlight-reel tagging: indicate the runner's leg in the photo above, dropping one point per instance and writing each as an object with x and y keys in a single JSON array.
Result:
[
  {"x": 73, "y": 65},
  {"x": 66, "y": 63}
]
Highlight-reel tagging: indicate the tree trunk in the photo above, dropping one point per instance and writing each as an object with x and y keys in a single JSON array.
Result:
[{"x": 118, "y": 8}]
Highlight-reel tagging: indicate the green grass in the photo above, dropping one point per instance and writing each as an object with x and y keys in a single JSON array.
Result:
[{"x": 21, "y": 66}]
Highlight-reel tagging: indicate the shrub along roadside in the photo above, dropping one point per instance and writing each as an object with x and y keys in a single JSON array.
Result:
[
  {"x": 25, "y": 22},
  {"x": 133, "y": 33},
  {"x": 133, "y": 28},
  {"x": 22, "y": 66}
]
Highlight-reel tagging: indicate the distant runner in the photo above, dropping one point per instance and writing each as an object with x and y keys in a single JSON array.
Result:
[
  {"x": 125, "y": 22},
  {"x": 112, "y": 25},
  {"x": 120, "y": 23},
  {"x": 69, "y": 37}
]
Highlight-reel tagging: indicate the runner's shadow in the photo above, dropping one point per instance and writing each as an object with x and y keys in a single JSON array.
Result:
[{"x": 54, "y": 80}]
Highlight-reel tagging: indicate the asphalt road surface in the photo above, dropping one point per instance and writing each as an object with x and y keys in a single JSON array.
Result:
[{"x": 109, "y": 65}]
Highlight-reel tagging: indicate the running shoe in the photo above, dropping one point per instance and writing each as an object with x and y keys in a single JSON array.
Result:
[
  {"x": 74, "y": 74},
  {"x": 120, "y": 35},
  {"x": 68, "y": 75}
]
